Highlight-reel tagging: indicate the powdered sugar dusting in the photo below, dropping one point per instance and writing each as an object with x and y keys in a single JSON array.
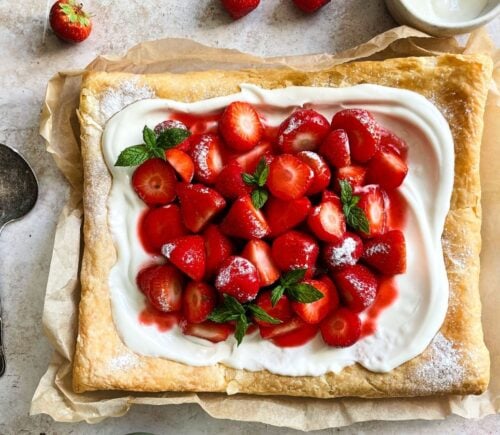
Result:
[
  {"x": 167, "y": 249},
  {"x": 459, "y": 256},
  {"x": 125, "y": 361},
  {"x": 342, "y": 255},
  {"x": 377, "y": 248}
]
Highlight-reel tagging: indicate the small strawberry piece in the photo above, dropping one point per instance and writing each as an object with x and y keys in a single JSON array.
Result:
[
  {"x": 229, "y": 182},
  {"x": 217, "y": 247},
  {"x": 344, "y": 252},
  {"x": 168, "y": 124},
  {"x": 295, "y": 250},
  {"x": 259, "y": 253},
  {"x": 362, "y": 130},
  {"x": 240, "y": 126},
  {"x": 163, "y": 287},
  {"x": 355, "y": 175},
  {"x": 357, "y": 286},
  {"x": 69, "y": 22},
  {"x": 284, "y": 215},
  {"x": 295, "y": 332},
  {"x": 373, "y": 203},
  {"x": 159, "y": 226},
  {"x": 310, "y": 6},
  {"x": 281, "y": 311},
  {"x": 289, "y": 178},
  {"x": 321, "y": 171},
  {"x": 239, "y": 278},
  {"x": 245, "y": 221},
  {"x": 239, "y": 8},
  {"x": 143, "y": 278},
  {"x": 387, "y": 169},
  {"x": 387, "y": 253},
  {"x": 181, "y": 162},
  {"x": 327, "y": 221},
  {"x": 208, "y": 330},
  {"x": 154, "y": 182},
  {"x": 206, "y": 154},
  {"x": 335, "y": 149},
  {"x": 199, "y": 204},
  {"x": 251, "y": 159},
  {"x": 390, "y": 142},
  {"x": 328, "y": 195},
  {"x": 303, "y": 130},
  {"x": 198, "y": 301},
  {"x": 334, "y": 295},
  {"x": 315, "y": 312},
  {"x": 188, "y": 254},
  {"x": 341, "y": 329}
]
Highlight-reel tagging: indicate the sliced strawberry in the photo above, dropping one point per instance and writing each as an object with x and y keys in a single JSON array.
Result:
[
  {"x": 217, "y": 247},
  {"x": 303, "y": 130},
  {"x": 387, "y": 169},
  {"x": 373, "y": 203},
  {"x": 387, "y": 253},
  {"x": 295, "y": 250},
  {"x": 284, "y": 215},
  {"x": 239, "y": 278},
  {"x": 281, "y": 311},
  {"x": 168, "y": 124},
  {"x": 295, "y": 332},
  {"x": 334, "y": 295},
  {"x": 229, "y": 182},
  {"x": 390, "y": 142},
  {"x": 310, "y": 6},
  {"x": 335, "y": 149},
  {"x": 198, "y": 301},
  {"x": 289, "y": 178},
  {"x": 188, "y": 254},
  {"x": 315, "y": 312},
  {"x": 154, "y": 182},
  {"x": 181, "y": 162},
  {"x": 208, "y": 330},
  {"x": 159, "y": 226},
  {"x": 357, "y": 286},
  {"x": 245, "y": 221},
  {"x": 199, "y": 204},
  {"x": 321, "y": 171},
  {"x": 240, "y": 126},
  {"x": 239, "y": 8},
  {"x": 341, "y": 328},
  {"x": 163, "y": 287},
  {"x": 327, "y": 221},
  {"x": 259, "y": 253},
  {"x": 362, "y": 130},
  {"x": 344, "y": 252},
  {"x": 355, "y": 175},
  {"x": 251, "y": 159},
  {"x": 207, "y": 158}
]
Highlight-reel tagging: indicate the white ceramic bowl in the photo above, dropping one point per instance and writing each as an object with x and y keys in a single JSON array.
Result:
[{"x": 403, "y": 15}]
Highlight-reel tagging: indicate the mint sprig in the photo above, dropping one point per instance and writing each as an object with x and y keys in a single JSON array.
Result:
[
  {"x": 354, "y": 215},
  {"x": 154, "y": 146},
  {"x": 296, "y": 290},
  {"x": 257, "y": 180}
]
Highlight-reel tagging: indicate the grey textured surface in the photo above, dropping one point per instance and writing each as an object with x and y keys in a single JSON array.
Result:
[{"x": 30, "y": 55}]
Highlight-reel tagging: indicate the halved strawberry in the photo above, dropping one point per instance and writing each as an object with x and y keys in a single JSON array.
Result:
[
  {"x": 188, "y": 254},
  {"x": 208, "y": 330},
  {"x": 154, "y": 182},
  {"x": 327, "y": 221},
  {"x": 163, "y": 287},
  {"x": 181, "y": 162},
  {"x": 281, "y": 311},
  {"x": 362, "y": 130},
  {"x": 295, "y": 250},
  {"x": 239, "y": 278},
  {"x": 198, "y": 301},
  {"x": 295, "y": 332},
  {"x": 206, "y": 154},
  {"x": 373, "y": 203},
  {"x": 169, "y": 123},
  {"x": 251, "y": 159},
  {"x": 357, "y": 286},
  {"x": 335, "y": 149},
  {"x": 259, "y": 253},
  {"x": 159, "y": 226},
  {"x": 217, "y": 247},
  {"x": 315, "y": 312},
  {"x": 289, "y": 178},
  {"x": 284, "y": 215},
  {"x": 344, "y": 252},
  {"x": 199, "y": 204},
  {"x": 303, "y": 130},
  {"x": 391, "y": 142},
  {"x": 341, "y": 328},
  {"x": 229, "y": 182},
  {"x": 387, "y": 253},
  {"x": 386, "y": 169},
  {"x": 321, "y": 171},
  {"x": 245, "y": 221},
  {"x": 240, "y": 126},
  {"x": 355, "y": 175},
  {"x": 334, "y": 295}
]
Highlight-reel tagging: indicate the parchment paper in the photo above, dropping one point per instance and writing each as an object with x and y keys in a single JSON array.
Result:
[{"x": 59, "y": 127}]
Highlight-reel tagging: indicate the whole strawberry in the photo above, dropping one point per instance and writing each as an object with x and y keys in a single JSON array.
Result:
[
  {"x": 310, "y": 6},
  {"x": 69, "y": 21},
  {"x": 239, "y": 8}
]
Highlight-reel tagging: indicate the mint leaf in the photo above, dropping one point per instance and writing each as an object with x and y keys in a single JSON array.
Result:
[
  {"x": 293, "y": 277},
  {"x": 258, "y": 180},
  {"x": 149, "y": 137},
  {"x": 276, "y": 294},
  {"x": 304, "y": 293},
  {"x": 133, "y": 156},
  {"x": 354, "y": 215},
  {"x": 171, "y": 137},
  {"x": 260, "y": 314},
  {"x": 241, "y": 328},
  {"x": 248, "y": 179},
  {"x": 222, "y": 315},
  {"x": 345, "y": 192},
  {"x": 259, "y": 197},
  {"x": 233, "y": 304},
  {"x": 357, "y": 220},
  {"x": 262, "y": 172}
]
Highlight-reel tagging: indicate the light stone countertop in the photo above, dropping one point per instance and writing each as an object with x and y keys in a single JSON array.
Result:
[{"x": 30, "y": 55}]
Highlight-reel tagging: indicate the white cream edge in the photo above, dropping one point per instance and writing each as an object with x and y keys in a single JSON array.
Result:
[{"x": 404, "y": 330}]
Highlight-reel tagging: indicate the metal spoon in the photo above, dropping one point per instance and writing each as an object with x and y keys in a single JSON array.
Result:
[{"x": 18, "y": 195}]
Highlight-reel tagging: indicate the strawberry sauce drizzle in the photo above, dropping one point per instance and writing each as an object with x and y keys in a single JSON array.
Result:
[
  {"x": 396, "y": 211},
  {"x": 163, "y": 321},
  {"x": 386, "y": 295}
]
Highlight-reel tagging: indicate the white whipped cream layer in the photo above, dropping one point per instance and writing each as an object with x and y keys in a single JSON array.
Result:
[{"x": 404, "y": 329}]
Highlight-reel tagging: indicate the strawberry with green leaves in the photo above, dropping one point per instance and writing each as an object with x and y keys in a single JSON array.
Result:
[{"x": 69, "y": 21}]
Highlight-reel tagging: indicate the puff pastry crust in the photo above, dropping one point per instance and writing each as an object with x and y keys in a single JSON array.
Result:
[{"x": 457, "y": 362}]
